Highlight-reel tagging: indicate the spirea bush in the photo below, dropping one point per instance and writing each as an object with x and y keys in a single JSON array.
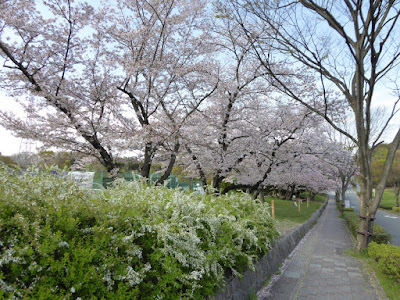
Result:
[{"x": 59, "y": 241}]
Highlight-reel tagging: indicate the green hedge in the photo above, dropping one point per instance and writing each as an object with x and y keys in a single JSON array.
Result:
[
  {"x": 381, "y": 236},
  {"x": 131, "y": 241},
  {"x": 388, "y": 258}
]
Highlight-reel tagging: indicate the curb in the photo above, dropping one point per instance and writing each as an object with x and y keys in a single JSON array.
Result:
[{"x": 252, "y": 281}]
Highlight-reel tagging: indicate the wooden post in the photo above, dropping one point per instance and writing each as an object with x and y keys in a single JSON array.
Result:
[
  {"x": 273, "y": 208},
  {"x": 298, "y": 202},
  {"x": 308, "y": 201}
]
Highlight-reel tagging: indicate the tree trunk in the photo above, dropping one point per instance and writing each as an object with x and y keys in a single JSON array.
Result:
[
  {"x": 312, "y": 196},
  {"x": 343, "y": 195},
  {"x": 337, "y": 196},
  {"x": 345, "y": 185},
  {"x": 148, "y": 157},
  {"x": 217, "y": 183},
  {"x": 255, "y": 194},
  {"x": 365, "y": 231},
  {"x": 368, "y": 204},
  {"x": 170, "y": 165},
  {"x": 237, "y": 186},
  {"x": 290, "y": 192}
]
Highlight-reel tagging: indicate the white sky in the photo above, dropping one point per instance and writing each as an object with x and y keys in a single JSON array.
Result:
[{"x": 9, "y": 144}]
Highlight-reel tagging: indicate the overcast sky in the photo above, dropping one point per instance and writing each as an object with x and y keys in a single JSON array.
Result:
[{"x": 10, "y": 144}]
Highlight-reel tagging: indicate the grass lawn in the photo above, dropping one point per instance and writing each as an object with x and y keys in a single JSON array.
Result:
[
  {"x": 287, "y": 214},
  {"x": 388, "y": 200}
]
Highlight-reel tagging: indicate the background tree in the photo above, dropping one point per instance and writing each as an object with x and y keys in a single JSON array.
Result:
[
  {"x": 59, "y": 159},
  {"x": 350, "y": 46},
  {"x": 25, "y": 159},
  {"x": 8, "y": 160},
  {"x": 59, "y": 77}
]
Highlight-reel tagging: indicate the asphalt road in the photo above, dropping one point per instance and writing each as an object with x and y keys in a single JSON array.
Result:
[{"x": 390, "y": 222}]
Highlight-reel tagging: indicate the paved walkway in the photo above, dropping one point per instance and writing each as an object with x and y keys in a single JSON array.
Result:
[{"x": 319, "y": 269}]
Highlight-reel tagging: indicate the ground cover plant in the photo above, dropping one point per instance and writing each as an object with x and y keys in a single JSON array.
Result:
[{"x": 59, "y": 241}]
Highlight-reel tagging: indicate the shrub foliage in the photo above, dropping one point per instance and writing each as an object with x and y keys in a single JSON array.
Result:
[
  {"x": 59, "y": 241},
  {"x": 388, "y": 258},
  {"x": 381, "y": 236}
]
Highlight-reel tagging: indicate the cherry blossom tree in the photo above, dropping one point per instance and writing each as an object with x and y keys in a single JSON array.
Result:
[
  {"x": 308, "y": 172},
  {"x": 217, "y": 137},
  {"x": 161, "y": 49},
  {"x": 244, "y": 132},
  {"x": 59, "y": 78},
  {"x": 268, "y": 143},
  {"x": 274, "y": 131},
  {"x": 345, "y": 165},
  {"x": 291, "y": 152},
  {"x": 121, "y": 77}
]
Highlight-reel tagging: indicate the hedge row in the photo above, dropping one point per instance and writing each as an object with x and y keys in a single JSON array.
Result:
[{"x": 131, "y": 241}]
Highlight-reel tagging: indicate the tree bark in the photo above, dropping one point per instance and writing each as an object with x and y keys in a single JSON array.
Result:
[
  {"x": 148, "y": 157},
  {"x": 170, "y": 165}
]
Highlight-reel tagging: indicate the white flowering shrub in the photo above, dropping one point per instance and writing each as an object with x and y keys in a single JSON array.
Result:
[{"x": 131, "y": 241}]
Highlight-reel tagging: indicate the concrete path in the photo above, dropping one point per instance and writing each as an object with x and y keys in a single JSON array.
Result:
[{"x": 319, "y": 268}]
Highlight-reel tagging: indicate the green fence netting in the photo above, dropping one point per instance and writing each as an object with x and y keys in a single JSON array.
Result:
[{"x": 103, "y": 180}]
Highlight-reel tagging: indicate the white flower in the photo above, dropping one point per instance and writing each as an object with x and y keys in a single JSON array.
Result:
[
  {"x": 63, "y": 244},
  {"x": 72, "y": 290}
]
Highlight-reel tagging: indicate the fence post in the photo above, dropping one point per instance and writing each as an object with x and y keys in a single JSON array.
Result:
[{"x": 273, "y": 208}]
